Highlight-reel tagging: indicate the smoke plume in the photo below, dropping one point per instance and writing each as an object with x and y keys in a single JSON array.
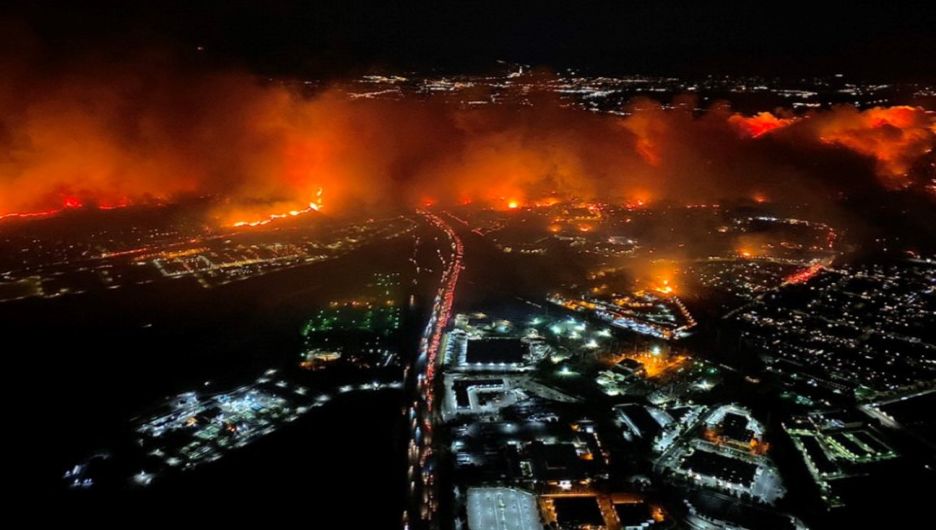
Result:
[{"x": 105, "y": 134}]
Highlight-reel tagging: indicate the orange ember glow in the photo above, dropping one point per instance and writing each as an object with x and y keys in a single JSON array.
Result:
[
  {"x": 69, "y": 203},
  {"x": 894, "y": 137},
  {"x": 276, "y": 216},
  {"x": 265, "y": 219},
  {"x": 648, "y": 151},
  {"x": 759, "y": 124},
  {"x": 637, "y": 200},
  {"x": 107, "y": 136},
  {"x": 753, "y": 245},
  {"x": 31, "y": 215},
  {"x": 656, "y": 364},
  {"x": 545, "y": 203},
  {"x": 664, "y": 287},
  {"x": 754, "y": 445},
  {"x": 661, "y": 277},
  {"x": 804, "y": 275},
  {"x": 123, "y": 203}
]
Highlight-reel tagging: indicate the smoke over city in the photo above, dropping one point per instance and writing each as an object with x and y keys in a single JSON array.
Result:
[{"x": 101, "y": 134}]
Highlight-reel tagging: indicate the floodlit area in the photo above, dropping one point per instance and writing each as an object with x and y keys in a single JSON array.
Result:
[
  {"x": 836, "y": 447},
  {"x": 195, "y": 428},
  {"x": 655, "y": 314},
  {"x": 724, "y": 450},
  {"x": 502, "y": 509}
]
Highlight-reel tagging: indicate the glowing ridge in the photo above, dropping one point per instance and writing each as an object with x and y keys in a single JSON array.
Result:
[{"x": 314, "y": 206}]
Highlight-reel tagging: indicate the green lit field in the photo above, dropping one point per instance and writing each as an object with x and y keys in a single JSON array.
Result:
[{"x": 380, "y": 320}]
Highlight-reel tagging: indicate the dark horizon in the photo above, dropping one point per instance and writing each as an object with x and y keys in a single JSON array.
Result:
[{"x": 870, "y": 41}]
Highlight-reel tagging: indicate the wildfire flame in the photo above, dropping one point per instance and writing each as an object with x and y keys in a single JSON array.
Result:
[
  {"x": 759, "y": 124},
  {"x": 315, "y": 206},
  {"x": 894, "y": 137},
  {"x": 109, "y": 138}
]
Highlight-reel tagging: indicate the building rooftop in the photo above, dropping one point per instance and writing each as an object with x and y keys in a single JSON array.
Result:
[
  {"x": 502, "y": 509},
  {"x": 720, "y": 467},
  {"x": 493, "y": 351},
  {"x": 573, "y": 512},
  {"x": 633, "y": 513}
]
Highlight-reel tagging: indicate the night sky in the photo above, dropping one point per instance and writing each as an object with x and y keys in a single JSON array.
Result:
[{"x": 871, "y": 40}]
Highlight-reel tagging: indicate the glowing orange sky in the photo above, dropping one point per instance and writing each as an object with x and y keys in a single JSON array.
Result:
[
  {"x": 894, "y": 137},
  {"x": 111, "y": 139}
]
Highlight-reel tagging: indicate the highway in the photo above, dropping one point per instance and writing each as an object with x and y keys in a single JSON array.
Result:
[{"x": 421, "y": 411}]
